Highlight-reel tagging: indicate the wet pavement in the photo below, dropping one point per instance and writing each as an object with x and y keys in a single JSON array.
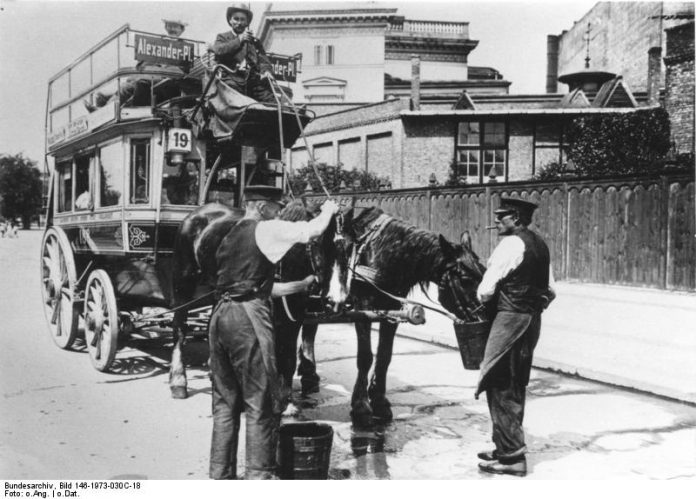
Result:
[{"x": 575, "y": 429}]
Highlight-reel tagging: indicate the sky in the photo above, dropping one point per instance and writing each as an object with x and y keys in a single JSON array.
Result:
[{"x": 38, "y": 39}]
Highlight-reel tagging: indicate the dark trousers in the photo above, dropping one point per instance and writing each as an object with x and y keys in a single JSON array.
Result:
[
  {"x": 240, "y": 381},
  {"x": 506, "y": 392},
  {"x": 251, "y": 86}
]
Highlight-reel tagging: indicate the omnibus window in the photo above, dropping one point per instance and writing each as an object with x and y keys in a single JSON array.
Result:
[
  {"x": 111, "y": 174},
  {"x": 64, "y": 186},
  {"x": 83, "y": 183},
  {"x": 180, "y": 183},
  {"x": 140, "y": 171},
  {"x": 223, "y": 188}
]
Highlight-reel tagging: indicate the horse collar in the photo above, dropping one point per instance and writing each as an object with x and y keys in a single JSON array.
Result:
[{"x": 373, "y": 230}]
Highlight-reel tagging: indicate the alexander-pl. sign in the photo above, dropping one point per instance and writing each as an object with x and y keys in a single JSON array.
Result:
[
  {"x": 163, "y": 50},
  {"x": 285, "y": 68}
]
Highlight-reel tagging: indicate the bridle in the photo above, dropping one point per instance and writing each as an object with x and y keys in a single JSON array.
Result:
[{"x": 462, "y": 307}]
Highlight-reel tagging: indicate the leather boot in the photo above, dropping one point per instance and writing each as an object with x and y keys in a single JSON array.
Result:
[
  {"x": 518, "y": 468},
  {"x": 488, "y": 455}
]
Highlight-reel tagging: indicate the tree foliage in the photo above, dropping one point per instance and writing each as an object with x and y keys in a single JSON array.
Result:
[
  {"x": 20, "y": 188},
  {"x": 333, "y": 178},
  {"x": 610, "y": 144}
]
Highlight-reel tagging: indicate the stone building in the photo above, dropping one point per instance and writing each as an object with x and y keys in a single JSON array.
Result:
[{"x": 354, "y": 56}]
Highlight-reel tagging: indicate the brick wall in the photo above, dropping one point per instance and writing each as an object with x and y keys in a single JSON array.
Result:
[
  {"x": 428, "y": 148},
  {"x": 351, "y": 143},
  {"x": 679, "y": 91}
]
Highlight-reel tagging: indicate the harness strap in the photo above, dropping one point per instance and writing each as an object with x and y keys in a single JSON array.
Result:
[
  {"x": 375, "y": 229},
  {"x": 284, "y": 300}
]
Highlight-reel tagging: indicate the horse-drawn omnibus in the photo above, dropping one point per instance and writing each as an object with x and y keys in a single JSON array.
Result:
[{"x": 133, "y": 145}]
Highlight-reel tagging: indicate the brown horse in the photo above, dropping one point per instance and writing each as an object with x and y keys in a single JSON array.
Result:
[
  {"x": 393, "y": 256},
  {"x": 194, "y": 269}
]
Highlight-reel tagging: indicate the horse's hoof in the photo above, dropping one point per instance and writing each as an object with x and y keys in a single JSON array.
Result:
[
  {"x": 309, "y": 389},
  {"x": 381, "y": 410},
  {"x": 179, "y": 392},
  {"x": 361, "y": 415},
  {"x": 310, "y": 384}
]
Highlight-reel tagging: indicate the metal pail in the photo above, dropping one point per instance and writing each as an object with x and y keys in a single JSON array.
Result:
[
  {"x": 305, "y": 451},
  {"x": 472, "y": 338}
]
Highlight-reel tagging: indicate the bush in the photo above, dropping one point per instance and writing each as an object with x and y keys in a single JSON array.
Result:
[
  {"x": 553, "y": 171},
  {"x": 333, "y": 176},
  {"x": 611, "y": 144}
]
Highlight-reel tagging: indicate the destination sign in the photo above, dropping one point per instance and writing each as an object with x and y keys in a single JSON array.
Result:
[
  {"x": 163, "y": 50},
  {"x": 285, "y": 67}
]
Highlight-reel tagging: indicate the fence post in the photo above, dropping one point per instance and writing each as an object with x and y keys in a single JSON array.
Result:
[
  {"x": 430, "y": 209},
  {"x": 667, "y": 231},
  {"x": 566, "y": 255}
]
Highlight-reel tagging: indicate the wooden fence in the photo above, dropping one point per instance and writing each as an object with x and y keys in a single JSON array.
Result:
[{"x": 627, "y": 231}]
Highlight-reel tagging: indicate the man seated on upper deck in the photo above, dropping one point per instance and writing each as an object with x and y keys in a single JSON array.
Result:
[{"x": 243, "y": 53}]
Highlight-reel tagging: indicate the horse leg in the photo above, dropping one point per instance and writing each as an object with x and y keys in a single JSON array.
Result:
[
  {"x": 308, "y": 364},
  {"x": 361, "y": 411},
  {"x": 286, "y": 333},
  {"x": 378, "y": 384},
  {"x": 177, "y": 369}
]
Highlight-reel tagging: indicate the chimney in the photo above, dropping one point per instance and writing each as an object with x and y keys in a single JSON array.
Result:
[
  {"x": 552, "y": 42},
  {"x": 654, "y": 75},
  {"x": 415, "y": 83}
]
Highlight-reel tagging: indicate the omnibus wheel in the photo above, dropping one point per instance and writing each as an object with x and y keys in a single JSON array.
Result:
[
  {"x": 58, "y": 277},
  {"x": 101, "y": 320}
]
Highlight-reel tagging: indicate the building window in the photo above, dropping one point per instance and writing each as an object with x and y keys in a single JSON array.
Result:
[
  {"x": 549, "y": 148},
  {"x": 482, "y": 151},
  {"x": 317, "y": 55},
  {"x": 329, "y": 55}
]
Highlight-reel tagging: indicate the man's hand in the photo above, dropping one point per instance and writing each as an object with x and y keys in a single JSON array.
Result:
[
  {"x": 248, "y": 36},
  {"x": 331, "y": 206},
  {"x": 266, "y": 75},
  {"x": 308, "y": 282}
]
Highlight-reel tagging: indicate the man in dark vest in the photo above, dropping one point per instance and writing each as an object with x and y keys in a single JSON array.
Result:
[
  {"x": 243, "y": 53},
  {"x": 518, "y": 285},
  {"x": 242, "y": 349}
]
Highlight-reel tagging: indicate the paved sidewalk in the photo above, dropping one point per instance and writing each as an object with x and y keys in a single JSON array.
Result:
[{"x": 638, "y": 338}]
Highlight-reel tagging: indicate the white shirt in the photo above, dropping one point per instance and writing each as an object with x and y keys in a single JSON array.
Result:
[
  {"x": 506, "y": 257},
  {"x": 275, "y": 237}
]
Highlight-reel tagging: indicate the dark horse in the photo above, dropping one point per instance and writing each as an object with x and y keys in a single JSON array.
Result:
[
  {"x": 194, "y": 269},
  {"x": 395, "y": 257}
]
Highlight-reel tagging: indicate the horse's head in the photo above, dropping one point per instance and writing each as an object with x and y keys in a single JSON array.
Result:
[
  {"x": 326, "y": 255},
  {"x": 334, "y": 250},
  {"x": 461, "y": 274}
]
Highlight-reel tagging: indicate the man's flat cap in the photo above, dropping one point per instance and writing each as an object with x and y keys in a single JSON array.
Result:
[
  {"x": 520, "y": 206},
  {"x": 264, "y": 193}
]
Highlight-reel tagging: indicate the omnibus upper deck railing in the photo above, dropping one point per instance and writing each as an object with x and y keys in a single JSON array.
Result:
[{"x": 98, "y": 75}]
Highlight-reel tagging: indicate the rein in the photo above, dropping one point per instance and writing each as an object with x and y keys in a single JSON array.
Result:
[{"x": 406, "y": 301}]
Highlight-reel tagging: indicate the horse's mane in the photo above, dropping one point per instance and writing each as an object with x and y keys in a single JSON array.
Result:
[
  {"x": 294, "y": 212},
  {"x": 402, "y": 254}
]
